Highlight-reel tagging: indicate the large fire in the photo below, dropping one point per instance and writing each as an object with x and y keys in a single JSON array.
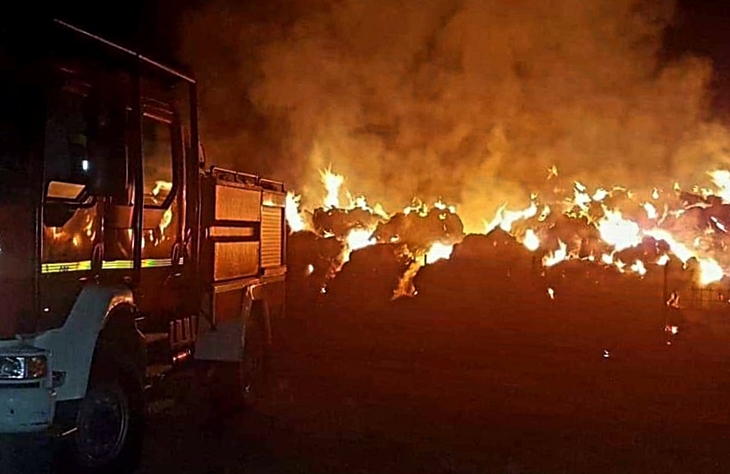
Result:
[{"x": 611, "y": 226}]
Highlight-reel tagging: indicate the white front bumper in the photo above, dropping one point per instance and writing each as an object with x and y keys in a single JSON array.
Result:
[
  {"x": 28, "y": 405},
  {"x": 26, "y": 409}
]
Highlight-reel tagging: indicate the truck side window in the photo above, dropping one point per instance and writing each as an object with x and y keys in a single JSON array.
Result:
[
  {"x": 69, "y": 236},
  {"x": 66, "y": 153},
  {"x": 158, "y": 161},
  {"x": 161, "y": 211}
]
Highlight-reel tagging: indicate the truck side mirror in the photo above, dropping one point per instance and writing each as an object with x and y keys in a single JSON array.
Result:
[{"x": 57, "y": 214}]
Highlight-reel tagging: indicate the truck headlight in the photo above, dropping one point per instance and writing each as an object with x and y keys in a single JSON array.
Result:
[
  {"x": 12, "y": 368},
  {"x": 23, "y": 367}
]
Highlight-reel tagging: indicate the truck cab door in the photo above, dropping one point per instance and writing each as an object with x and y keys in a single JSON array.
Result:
[
  {"x": 71, "y": 225},
  {"x": 159, "y": 291}
]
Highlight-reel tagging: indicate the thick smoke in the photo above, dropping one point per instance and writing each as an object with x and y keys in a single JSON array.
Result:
[{"x": 469, "y": 100}]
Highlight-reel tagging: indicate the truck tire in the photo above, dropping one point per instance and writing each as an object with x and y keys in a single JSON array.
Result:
[
  {"x": 256, "y": 363},
  {"x": 237, "y": 386},
  {"x": 109, "y": 425}
]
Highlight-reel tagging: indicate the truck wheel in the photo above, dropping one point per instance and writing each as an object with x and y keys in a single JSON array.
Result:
[
  {"x": 255, "y": 366},
  {"x": 109, "y": 426},
  {"x": 234, "y": 386}
]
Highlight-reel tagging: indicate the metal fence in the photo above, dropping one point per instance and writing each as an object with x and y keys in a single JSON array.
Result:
[{"x": 711, "y": 298}]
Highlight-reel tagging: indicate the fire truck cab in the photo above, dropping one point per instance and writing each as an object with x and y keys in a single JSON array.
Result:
[{"x": 121, "y": 254}]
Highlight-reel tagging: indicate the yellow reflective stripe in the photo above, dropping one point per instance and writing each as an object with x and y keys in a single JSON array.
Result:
[
  {"x": 117, "y": 264},
  {"x": 60, "y": 267},
  {"x": 146, "y": 263},
  {"x": 156, "y": 262}
]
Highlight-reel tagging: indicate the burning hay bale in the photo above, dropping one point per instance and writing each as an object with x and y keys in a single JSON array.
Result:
[
  {"x": 649, "y": 251},
  {"x": 339, "y": 222},
  {"x": 694, "y": 219},
  {"x": 481, "y": 266},
  {"x": 370, "y": 277},
  {"x": 312, "y": 260},
  {"x": 591, "y": 301},
  {"x": 418, "y": 231},
  {"x": 597, "y": 306},
  {"x": 580, "y": 237},
  {"x": 497, "y": 249}
]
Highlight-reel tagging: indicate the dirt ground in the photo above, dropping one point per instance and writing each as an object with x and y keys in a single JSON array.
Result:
[{"x": 470, "y": 386}]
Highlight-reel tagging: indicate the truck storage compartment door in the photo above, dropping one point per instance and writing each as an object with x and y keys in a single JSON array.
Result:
[
  {"x": 230, "y": 253},
  {"x": 232, "y": 222}
]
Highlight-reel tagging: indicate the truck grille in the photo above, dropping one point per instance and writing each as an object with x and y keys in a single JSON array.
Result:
[{"x": 271, "y": 229}]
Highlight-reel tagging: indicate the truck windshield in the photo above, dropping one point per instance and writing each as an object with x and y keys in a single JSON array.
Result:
[
  {"x": 14, "y": 167},
  {"x": 18, "y": 200}
]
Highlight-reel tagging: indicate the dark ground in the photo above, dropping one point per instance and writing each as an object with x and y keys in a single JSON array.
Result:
[{"x": 481, "y": 384}]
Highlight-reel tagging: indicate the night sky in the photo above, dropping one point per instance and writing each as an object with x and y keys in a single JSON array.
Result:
[
  {"x": 151, "y": 26},
  {"x": 702, "y": 28}
]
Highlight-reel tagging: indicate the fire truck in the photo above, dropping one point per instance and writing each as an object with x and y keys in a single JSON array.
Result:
[{"x": 122, "y": 254}]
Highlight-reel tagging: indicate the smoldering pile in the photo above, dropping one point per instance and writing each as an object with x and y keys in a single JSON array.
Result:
[
  {"x": 580, "y": 303},
  {"x": 358, "y": 253},
  {"x": 415, "y": 228},
  {"x": 566, "y": 278},
  {"x": 496, "y": 267},
  {"x": 312, "y": 260}
]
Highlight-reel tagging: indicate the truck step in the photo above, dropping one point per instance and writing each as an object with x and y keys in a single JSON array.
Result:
[
  {"x": 183, "y": 331},
  {"x": 157, "y": 371},
  {"x": 160, "y": 406},
  {"x": 155, "y": 337}
]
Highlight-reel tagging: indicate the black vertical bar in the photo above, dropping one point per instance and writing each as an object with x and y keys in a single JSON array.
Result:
[
  {"x": 284, "y": 259},
  {"x": 195, "y": 178},
  {"x": 36, "y": 155},
  {"x": 179, "y": 186},
  {"x": 284, "y": 234},
  {"x": 136, "y": 155}
]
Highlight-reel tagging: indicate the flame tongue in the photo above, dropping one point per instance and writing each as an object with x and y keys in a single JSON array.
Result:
[
  {"x": 332, "y": 184},
  {"x": 438, "y": 251},
  {"x": 293, "y": 215},
  {"x": 618, "y": 232}
]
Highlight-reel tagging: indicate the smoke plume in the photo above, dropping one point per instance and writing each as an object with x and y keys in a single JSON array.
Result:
[{"x": 469, "y": 100}]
